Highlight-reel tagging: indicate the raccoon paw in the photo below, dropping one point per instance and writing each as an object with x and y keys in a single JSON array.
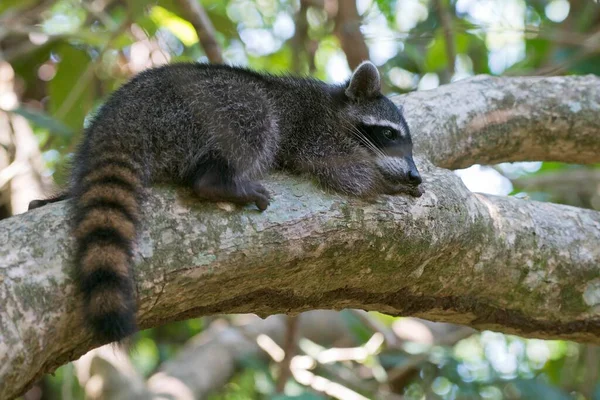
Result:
[
  {"x": 256, "y": 193},
  {"x": 241, "y": 193},
  {"x": 411, "y": 190},
  {"x": 36, "y": 204},
  {"x": 42, "y": 202}
]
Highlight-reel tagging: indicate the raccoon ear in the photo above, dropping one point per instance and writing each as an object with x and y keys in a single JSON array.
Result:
[{"x": 365, "y": 82}]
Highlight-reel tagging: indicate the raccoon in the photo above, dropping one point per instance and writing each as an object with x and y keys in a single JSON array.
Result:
[{"x": 218, "y": 129}]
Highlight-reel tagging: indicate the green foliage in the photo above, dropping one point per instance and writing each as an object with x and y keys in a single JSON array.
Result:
[
  {"x": 303, "y": 396},
  {"x": 15, "y": 5},
  {"x": 388, "y": 8},
  {"x": 72, "y": 90},
  {"x": 241, "y": 387},
  {"x": 41, "y": 119}
]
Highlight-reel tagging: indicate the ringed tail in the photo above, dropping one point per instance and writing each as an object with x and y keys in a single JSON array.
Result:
[{"x": 106, "y": 203}]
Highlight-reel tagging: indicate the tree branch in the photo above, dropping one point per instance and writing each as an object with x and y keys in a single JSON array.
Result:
[
  {"x": 451, "y": 255},
  {"x": 486, "y": 120},
  {"x": 445, "y": 19},
  {"x": 298, "y": 41},
  {"x": 195, "y": 13},
  {"x": 290, "y": 345},
  {"x": 347, "y": 29}
]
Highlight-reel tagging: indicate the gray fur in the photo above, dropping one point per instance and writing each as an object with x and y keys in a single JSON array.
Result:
[
  {"x": 365, "y": 82},
  {"x": 170, "y": 118}
]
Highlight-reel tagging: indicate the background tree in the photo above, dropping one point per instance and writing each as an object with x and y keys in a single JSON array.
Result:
[{"x": 60, "y": 59}]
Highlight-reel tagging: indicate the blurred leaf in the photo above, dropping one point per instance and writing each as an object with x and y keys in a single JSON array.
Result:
[
  {"x": 215, "y": 9},
  {"x": 70, "y": 76},
  {"x": 554, "y": 370},
  {"x": 241, "y": 387},
  {"x": 26, "y": 66},
  {"x": 303, "y": 396},
  {"x": 43, "y": 120},
  {"x": 15, "y": 5},
  {"x": 139, "y": 8},
  {"x": 147, "y": 24},
  {"x": 356, "y": 326},
  {"x": 596, "y": 394},
  {"x": 539, "y": 6},
  {"x": 101, "y": 39},
  {"x": 145, "y": 357},
  {"x": 396, "y": 359},
  {"x": 535, "y": 389},
  {"x": 412, "y": 59},
  {"x": 388, "y": 9},
  {"x": 437, "y": 58},
  {"x": 589, "y": 65},
  {"x": 552, "y": 166},
  {"x": 181, "y": 28},
  {"x": 277, "y": 62},
  {"x": 536, "y": 52}
]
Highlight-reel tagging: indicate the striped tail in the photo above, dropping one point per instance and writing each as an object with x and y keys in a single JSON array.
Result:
[{"x": 106, "y": 216}]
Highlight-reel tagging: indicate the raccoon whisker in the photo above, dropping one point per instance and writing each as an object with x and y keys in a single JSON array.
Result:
[
  {"x": 360, "y": 136},
  {"x": 350, "y": 128}
]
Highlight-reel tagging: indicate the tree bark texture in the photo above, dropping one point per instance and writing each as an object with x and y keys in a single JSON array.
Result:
[
  {"x": 489, "y": 262},
  {"x": 486, "y": 120}
]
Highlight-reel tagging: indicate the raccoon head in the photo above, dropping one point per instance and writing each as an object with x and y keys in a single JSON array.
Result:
[{"x": 379, "y": 126}]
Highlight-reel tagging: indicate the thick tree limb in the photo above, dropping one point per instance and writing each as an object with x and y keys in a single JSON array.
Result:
[
  {"x": 486, "y": 120},
  {"x": 489, "y": 262}
]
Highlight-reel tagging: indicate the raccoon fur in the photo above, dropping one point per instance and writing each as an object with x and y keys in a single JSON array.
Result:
[{"x": 218, "y": 129}]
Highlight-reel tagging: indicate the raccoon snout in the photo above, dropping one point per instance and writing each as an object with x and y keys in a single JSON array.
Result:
[
  {"x": 399, "y": 170},
  {"x": 414, "y": 177}
]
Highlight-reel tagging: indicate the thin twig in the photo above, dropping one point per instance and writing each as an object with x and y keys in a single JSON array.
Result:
[
  {"x": 290, "y": 345},
  {"x": 12, "y": 170},
  {"x": 205, "y": 30},
  {"x": 589, "y": 47},
  {"x": 446, "y": 21},
  {"x": 298, "y": 41},
  {"x": 590, "y": 375},
  {"x": 347, "y": 29}
]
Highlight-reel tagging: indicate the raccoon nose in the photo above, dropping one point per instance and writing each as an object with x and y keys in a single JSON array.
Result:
[{"x": 414, "y": 177}]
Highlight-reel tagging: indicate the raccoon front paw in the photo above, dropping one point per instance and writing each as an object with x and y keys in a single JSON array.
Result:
[
  {"x": 241, "y": 193},
  {"x": 255, "y": 193},
  {"x": 411, "y": 190},
  {"x": 42, "y": 202},
  {"x": 35, "y": 204}
]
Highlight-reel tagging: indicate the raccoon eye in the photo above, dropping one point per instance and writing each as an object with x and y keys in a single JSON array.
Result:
[{"x": 389, "y": 134}]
